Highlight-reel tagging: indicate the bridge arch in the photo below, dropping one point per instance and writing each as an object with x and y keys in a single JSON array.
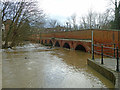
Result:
[
  {"x": 66, "y": 45},
  {"x": 57, "y": 44},
  {"x": 41, "y": 41},
  {"x": 80, "y": 47},
  {"x": 45, "y": 41},
  {"x": 51, "y": 43}
]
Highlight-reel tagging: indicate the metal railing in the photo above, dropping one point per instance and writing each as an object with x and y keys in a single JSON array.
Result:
[{"x": 112, "y": 52}]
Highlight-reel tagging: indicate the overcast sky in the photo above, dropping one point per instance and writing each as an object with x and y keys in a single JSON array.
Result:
[{"x": 61, "y": 9}]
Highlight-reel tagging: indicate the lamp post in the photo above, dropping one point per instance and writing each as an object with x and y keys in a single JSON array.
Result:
[
  {"x": 67, "y": 25},
  {"x": 117, "y": 66},
  {"x": 92, "y": 46}
]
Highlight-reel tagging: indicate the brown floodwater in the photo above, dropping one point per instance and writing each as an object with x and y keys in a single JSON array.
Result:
[{"x": 36, "y": 66}]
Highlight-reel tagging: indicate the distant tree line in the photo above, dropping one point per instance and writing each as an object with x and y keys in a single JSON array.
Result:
[
  {"x": 93, "y": 20},
  {"x": 110, "y": 19}
]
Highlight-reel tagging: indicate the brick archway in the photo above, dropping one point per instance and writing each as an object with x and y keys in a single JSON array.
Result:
[
  {"x": 84, "y": 46},
  {"x": 80, "y": 47},
  {"x": 45, "y": 42},
  {"x": 41, "y": 42},
  {"x": 50, "y": 42},
  {"x": 57, "y": 44},
  {"x": 66, "y": 45},
  {"x": 69, "y": 42}
]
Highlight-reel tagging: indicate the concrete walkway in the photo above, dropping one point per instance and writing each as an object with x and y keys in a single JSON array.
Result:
[{"x": 111, "y": 64}]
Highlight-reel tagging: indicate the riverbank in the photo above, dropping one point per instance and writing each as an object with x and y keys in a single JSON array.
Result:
[
  {"x": 18, "y": 44},
  {"x": 108, "y": 69}
]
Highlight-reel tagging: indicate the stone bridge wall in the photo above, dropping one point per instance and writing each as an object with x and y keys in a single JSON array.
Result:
[
  {"x": 82, "y": 34},
  {"x": 100, "y": 37}
]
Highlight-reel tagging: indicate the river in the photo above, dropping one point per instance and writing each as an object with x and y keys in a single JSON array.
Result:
[{"x": 37, "y": 66}]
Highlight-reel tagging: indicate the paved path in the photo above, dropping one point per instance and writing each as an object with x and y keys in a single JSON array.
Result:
[
  {"x": 119, "y": 80},
  {"x": 111, "y": 64}
]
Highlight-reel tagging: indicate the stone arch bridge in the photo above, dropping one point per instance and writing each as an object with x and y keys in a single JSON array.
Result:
[{"x": 84, "y": 45}]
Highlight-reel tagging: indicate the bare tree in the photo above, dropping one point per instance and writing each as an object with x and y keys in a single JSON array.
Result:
[
  {"x": 114, "y": 6},
  {"x": 89, "y": 21},
  {"x": 73, "y": 18},
  {"x": 53, "y": 23},
  {"x": 19, "y": 13},
  {"x": 72, "y": 21},
  {"x": 95, "y": 20},
  {"x": 105, "y": 19},
  {"x": 83, "y": 23}
]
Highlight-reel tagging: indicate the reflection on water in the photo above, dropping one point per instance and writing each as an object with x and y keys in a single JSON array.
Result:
[{"x": 35, "y": 66}]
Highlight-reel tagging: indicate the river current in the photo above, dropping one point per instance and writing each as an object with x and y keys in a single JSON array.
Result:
[{"x": 37, "y": 66}]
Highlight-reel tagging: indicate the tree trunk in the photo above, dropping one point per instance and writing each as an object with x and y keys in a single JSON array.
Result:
[
  {"x": 6, "y": 43},
  {"x": 13, "y": 40},
  {"x": 12, "y": 44}
]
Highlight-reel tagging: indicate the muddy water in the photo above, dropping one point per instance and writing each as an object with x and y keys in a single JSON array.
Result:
[{"x": 34, "y": 66}]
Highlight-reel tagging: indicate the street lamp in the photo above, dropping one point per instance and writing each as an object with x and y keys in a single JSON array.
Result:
[
  {"x": 67, "y": 25},
  {"x": 92, "y": 46}
]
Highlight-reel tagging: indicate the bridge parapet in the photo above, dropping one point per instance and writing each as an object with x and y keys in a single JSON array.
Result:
[{"x": 100, "y": 37}]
